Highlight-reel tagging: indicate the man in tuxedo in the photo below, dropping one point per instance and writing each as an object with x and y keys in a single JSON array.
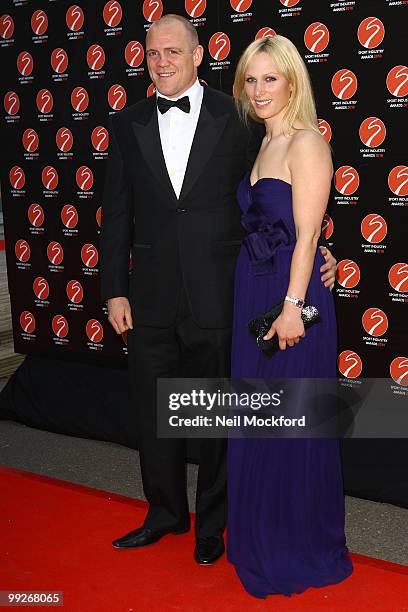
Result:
[{"x": 175, "y": 162}]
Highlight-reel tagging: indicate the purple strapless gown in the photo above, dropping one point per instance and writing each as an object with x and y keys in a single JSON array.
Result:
[{"x": 285, "y": 496}]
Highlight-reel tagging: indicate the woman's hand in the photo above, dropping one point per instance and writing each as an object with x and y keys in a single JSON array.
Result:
[{"x": 288, "y": 326}]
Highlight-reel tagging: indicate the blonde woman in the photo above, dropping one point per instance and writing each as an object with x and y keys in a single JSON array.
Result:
[{"x": 285, "y": 496}]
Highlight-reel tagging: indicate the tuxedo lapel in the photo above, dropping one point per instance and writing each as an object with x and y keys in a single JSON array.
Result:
[
  {"x": 211, "y": 123},
  {"x": 146, "y": 130},
  {"x": 214, "y": 114}
]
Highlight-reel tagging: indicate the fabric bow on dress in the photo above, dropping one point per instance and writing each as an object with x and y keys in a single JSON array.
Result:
[{"x": 263, "y": 238}]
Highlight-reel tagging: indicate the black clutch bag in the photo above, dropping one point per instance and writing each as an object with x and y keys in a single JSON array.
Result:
[{"x": 260, "y": 326}]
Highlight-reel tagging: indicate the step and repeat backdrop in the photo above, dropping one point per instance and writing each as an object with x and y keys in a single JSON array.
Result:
[{"x": 66, "y": 67}]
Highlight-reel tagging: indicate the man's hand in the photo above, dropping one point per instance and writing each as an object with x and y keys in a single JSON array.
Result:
[
  {"x": 328, "y": 269},
  {"x": 119, "y": 314}
]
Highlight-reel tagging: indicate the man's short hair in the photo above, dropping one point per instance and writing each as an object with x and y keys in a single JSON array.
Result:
[{"x": 188, "y": 26}]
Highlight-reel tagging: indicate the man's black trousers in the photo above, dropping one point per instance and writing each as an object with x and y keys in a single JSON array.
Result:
[{"x": 182, "y": 350}]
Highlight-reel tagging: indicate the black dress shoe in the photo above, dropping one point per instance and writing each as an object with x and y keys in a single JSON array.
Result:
[
  {"x": 143, "y": 536},
  {"x": 208, "y": 550}
]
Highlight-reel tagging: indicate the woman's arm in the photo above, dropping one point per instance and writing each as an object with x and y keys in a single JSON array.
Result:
[{"x": 311, "y": 169}]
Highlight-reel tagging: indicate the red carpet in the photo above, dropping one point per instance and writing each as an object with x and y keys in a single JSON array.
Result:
[{"x": 56, "y": 536}]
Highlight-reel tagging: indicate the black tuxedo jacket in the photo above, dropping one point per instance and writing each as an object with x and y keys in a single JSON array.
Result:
[{"x": 191, "y": 241}]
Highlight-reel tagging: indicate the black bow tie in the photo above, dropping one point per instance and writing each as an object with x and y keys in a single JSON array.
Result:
[{"x": 163, "y": 104}]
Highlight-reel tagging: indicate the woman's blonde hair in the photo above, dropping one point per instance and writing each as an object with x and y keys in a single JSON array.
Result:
[{"x": 301, "y": 106}]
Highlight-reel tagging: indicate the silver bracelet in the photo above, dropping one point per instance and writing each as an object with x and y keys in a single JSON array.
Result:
[{"x": 296, "y": 301}]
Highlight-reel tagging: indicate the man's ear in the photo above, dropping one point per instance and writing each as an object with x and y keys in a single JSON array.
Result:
[{"x": 198, "y": 55}]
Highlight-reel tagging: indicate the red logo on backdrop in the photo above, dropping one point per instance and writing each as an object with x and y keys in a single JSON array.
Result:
[
  {"x": 399, "y": 370},
  {"x": 35, "y": 215},
  {"x": 151, "y": 90},
  {"x": 27, "y": 321},
  {"x": 325, "y": 129},
  {"x": 100, "y": 138},
  {"x": 374, "y": 228},
  {"x": 74, "y": 18},
  {"x": 240, "y": 5},
  {"x": 348, "y": 273},
  {"x": 30, "y": 140},
  {"x": 69, "y": 216},
  {"x": 195, "y": 8},
  {"x": 94, "y": 330},
  {"x": 350, "y": 364},
  {"x": 346, "y": 180},
  {"x": 370, "y": 32},
  {"x": 89, "y": 255},
  {"x": 55, "y": 253},
  {"x": 112, "y": 13},
  {"x": 25, "y": 63},
  {"x": 11, "y": 103},
  {"x": 17, "y": 177},
  {"x": 60, "y": 326},
  {"x": 398, "y": 277},
  {"x": 117, "y": 97},
  {"x": 219, "y": 46},
  {"x": 398, "y": 180},
  {"x": 289, "y": 3},
  {"x": 375, "y": 322},
  {"x": 316, "y": 37},
  {"x": 95, "y": 57},
  {"x": 265, "y": 32},
  {"x": 64, "y": 139},
  {"x": 134, "y": 53},
  {"x": 79, "y": 99},
  {"x": 75, "y": 291},
  {"x": 98, "y": 216},
  {"x": 44, "y": 101},
  {"x": 59, "y": 60},
  {"x": 327, "y": 226},
  {"x": 39, "y": 22},
  {"x": 84, "y": 178},
  {"x": 372, "y": 132},
  {"x": 344, "y": 84},
  {"x": 6, "y": 27},
  {"x": 49, "y": 177},
  {"x": 152, "y": 9},
  {"x": 397, "y": 81},
  {"x": 41, "y": 288},
  {"x": 22, "y": 250}
]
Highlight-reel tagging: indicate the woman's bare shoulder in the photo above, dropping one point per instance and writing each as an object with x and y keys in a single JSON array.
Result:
[
  {"x": 306, "y": 137},
  {"x": 308, "y": 142},
  {"x": 309, "y": 154}
]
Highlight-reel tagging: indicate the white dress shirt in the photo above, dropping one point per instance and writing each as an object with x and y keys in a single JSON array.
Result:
[{"x": 177, "y": 130}]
